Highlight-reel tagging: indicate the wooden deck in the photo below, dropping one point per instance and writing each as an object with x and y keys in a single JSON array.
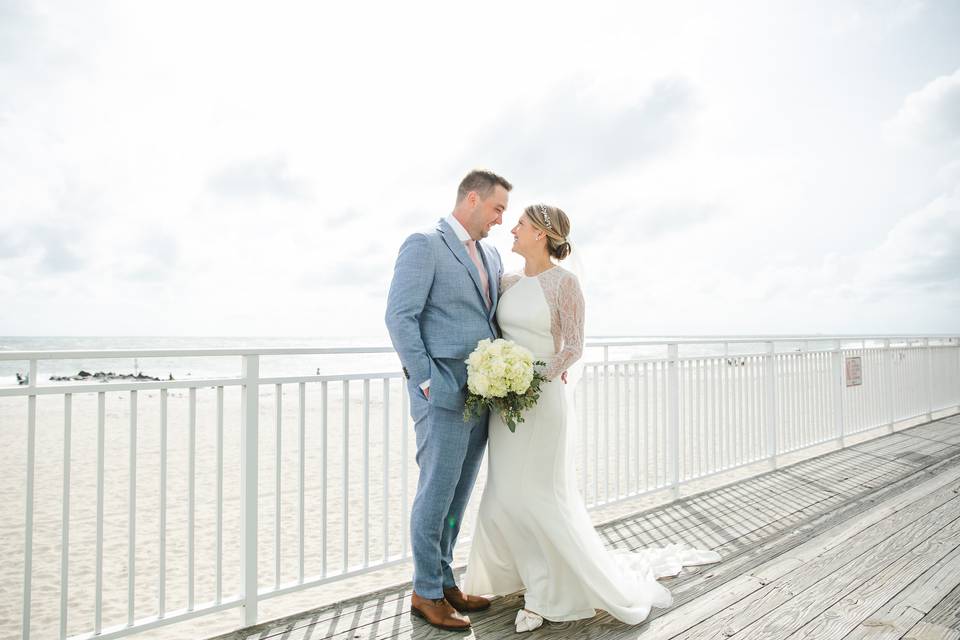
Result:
[{"x": 862, "y": 542}]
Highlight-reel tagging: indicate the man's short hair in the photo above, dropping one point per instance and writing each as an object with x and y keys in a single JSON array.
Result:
[{"x": 481, "y": 181}]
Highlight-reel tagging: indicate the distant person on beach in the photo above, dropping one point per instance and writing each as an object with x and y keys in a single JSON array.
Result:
[{"x": 442, "y": 301}]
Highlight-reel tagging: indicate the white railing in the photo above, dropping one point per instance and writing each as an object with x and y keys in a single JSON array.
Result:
[{"x": 301, "y": 483}]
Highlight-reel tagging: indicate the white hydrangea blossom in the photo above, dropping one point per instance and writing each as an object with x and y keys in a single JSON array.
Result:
[{"x": 498, "y": 367}]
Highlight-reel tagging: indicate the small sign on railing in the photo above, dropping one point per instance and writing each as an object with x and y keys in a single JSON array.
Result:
[{"x": 854, "y": 371}]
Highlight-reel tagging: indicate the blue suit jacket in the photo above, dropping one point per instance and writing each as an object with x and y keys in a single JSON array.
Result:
[{"x": 436, "y": 313}]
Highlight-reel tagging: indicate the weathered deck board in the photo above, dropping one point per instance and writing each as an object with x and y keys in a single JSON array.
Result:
[
  {"x": 724, "y": 600},
  {"x": 912, "y": 604},
  {"x": 859, "y": 543},
  {"x": 833, "y": 552},
  {"x": 840, "y": 609},
  {"x": 926, "y": 631},
  {"x": 947, "y": 612}
]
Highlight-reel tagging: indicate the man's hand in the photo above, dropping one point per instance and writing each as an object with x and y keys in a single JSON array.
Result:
[{"x": 563, "y": 376}]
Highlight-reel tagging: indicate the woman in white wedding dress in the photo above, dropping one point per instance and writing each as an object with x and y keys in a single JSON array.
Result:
[{"x": 533, "y": 531}]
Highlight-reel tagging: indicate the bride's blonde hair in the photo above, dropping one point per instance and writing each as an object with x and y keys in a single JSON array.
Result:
[{"x": 555, "y": 224}]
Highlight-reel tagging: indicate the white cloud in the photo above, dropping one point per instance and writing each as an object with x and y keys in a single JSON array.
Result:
[
  {"x": 921, "y": 251},
  {"x": 567, "y": 136},
  {"x": 259, "y": 178},
  {"x": 949, "y": 174},
  {"x": 856, "y": 18},
  {"x": 16, "y": 24},
  {"x": 931, "y": 114}
]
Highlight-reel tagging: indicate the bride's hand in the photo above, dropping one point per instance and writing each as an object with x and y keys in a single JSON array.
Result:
[{"x": 563, "y": 376}]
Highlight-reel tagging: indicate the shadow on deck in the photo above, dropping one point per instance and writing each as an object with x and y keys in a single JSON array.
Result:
[{"x": 862, "y": 542}]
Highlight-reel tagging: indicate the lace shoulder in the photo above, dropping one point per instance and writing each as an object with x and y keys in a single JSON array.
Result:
[
  {"x": 555, "y": 282},
  {"x": 561, "y": 289},
  {"x": 507, "y": 280}
]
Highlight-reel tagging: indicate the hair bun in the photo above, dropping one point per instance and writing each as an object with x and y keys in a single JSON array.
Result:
[{"x": 563, "y": 250}]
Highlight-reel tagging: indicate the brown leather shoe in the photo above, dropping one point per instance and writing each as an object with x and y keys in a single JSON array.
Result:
[
  {"x": 439, "y": 613},
  {"x": 464, "y": 603}
]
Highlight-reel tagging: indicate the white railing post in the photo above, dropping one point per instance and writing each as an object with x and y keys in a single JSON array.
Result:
[
  {"x": 770, "y": 400},
  {"x": 888, "y": 383},
  {"x": 725, "y": 407},
  {"x": 606, "y": 424},
  {"x": 838, "y": 390},
  {"x": 28, "y": 518},
  {"x": 673, "y": 416},
  {"x": 928, "y": 375},
  {"x": 249, "y": 482}
]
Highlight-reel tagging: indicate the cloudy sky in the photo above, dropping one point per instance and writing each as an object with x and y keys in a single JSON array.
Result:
[{"x": 227, "y": 168}]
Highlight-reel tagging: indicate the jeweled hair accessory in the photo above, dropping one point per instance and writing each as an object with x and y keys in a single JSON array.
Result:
[{"x": 545, "y": 216}]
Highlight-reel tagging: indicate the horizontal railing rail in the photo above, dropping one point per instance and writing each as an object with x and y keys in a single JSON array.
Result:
[
  {"x": 592, "y": 342},
  {"x": 217, "y": 493}
]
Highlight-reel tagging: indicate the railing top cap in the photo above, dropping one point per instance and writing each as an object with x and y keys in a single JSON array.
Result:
[{"x": 592, "y": 342}]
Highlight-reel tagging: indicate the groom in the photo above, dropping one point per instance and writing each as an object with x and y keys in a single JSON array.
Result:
[{"x": 441, "y": 303}]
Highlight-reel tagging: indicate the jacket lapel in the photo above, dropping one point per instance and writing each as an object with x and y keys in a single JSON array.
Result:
[{"x": 460, "y": 252}]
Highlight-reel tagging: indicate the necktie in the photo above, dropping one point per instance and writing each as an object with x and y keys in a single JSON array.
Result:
[{"x": 472, "y": 250}]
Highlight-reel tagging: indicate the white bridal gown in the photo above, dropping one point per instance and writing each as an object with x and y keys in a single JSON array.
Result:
[{"x": 533, "y": 531}]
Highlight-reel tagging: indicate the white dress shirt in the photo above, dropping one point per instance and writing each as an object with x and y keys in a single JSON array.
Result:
[{"x": 462, "y": 234}]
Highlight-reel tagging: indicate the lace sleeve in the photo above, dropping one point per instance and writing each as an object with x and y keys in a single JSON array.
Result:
[
  {"x": 568, "y": 325},
  {"x": 507, "y": 281}
]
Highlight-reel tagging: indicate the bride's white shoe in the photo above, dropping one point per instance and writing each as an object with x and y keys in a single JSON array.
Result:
[{"x": 527, "y": 621}]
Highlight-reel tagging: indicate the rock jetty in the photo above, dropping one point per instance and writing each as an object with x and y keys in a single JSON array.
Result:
[{"x": 101, "y": 376}]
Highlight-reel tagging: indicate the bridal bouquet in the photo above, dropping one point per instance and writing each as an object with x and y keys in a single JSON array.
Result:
[{"x": 501, "y": 377}]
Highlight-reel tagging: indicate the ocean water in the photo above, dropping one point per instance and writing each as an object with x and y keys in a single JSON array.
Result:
[
  {"x": 194, "y": 368},
  {"x": 224, "y": 367}
]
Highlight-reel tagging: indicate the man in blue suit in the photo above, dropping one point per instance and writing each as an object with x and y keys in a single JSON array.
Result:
[{"x": 442, "y": 301}]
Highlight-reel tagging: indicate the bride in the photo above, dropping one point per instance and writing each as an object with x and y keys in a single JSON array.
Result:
[{"x": 533, "y": 531}]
